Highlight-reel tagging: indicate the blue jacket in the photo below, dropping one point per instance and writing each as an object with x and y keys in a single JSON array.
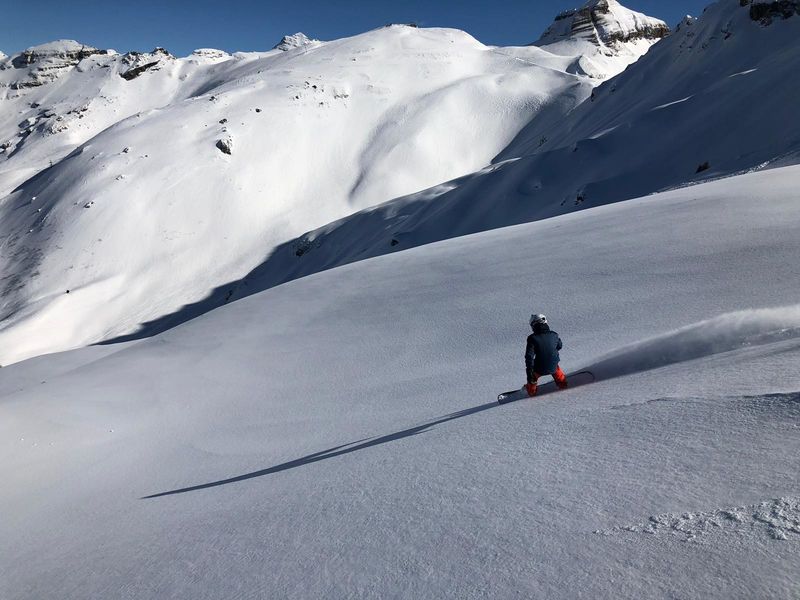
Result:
[{"x": 541, "y": 353}]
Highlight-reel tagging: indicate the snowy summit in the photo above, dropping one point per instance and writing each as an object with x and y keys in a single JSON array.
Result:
[
  {"x": 602, "y": 32},
  {"x": 603, "y": 23},
  {"x": 297, "y": 40}
]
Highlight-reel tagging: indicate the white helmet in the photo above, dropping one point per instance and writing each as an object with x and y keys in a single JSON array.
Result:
[{"x": 538, "y": 320}]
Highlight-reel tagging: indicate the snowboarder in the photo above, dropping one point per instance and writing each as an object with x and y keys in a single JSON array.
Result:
[{"x": 541, "y": 355}]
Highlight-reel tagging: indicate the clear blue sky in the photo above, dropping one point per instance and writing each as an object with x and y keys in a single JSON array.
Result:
[{"x": 183, "y": 25}]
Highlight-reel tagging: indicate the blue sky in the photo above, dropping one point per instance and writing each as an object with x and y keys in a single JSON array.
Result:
[{"x": 183, "y": 25}]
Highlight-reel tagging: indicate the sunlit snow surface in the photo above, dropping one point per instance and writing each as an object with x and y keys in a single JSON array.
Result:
[
  {"x": 116, "y": 189},
  {"x": 337, "y": 436}
]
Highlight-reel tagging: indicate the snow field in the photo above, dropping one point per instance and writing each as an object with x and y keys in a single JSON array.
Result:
[{"x": 342, "y": 431}]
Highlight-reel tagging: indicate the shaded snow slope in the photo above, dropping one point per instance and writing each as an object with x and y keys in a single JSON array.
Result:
[
  {"x": 221, "y": 158},
  {"x": 715, "y": 91},
  {"x": 340, "y": 439}
]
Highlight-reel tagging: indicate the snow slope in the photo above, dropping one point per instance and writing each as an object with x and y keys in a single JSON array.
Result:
[
  {"x": 171, "y": 176},
  {"x": 712, "y": 100},
  {"x": 336, "y": 436}
]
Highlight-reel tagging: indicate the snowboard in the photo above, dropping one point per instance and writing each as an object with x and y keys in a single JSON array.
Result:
[{"x": 575, "y": 380}]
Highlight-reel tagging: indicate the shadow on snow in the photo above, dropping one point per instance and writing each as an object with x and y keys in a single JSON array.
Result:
[{"x": 362, "y": 444}]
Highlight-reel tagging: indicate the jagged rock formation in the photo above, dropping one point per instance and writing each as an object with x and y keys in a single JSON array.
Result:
[
  {"x": 290, "y": 42},
  {"x": 604, "y": 23},
  {"x": 64, "y": 50},
  {"x": 143, "y": 62}
]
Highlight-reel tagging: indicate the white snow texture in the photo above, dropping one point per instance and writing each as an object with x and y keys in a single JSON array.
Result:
[{"x": 256, "y": 309}]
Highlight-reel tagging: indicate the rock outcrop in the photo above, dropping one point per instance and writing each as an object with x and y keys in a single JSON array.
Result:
[
  {"x": 603, "y": 23},
  {"x": 210, "y": 54},
  {"x": 45, "y": 63},
  {"x": 139, "y": 62},
  {"x": 766, "y": 11},
  {"x": 225, "y": 145}
]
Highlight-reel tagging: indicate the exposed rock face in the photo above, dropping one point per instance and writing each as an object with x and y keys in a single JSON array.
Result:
[
  {"x": 140, "y": 63},
  {"x": 290, "y": 42},
  {"x": 210, "y": 53},
  {"x": 603, "y": 23},
  {"x": 49, "y": 61},
  {"x": 61, "y": 51},
  {"x": 765, "y": 11},
  {"x": 136, "y": 71},
  {"x": 225, "y": 145}
]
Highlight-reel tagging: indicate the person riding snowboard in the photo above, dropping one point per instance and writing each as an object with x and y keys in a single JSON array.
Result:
[{"x": 541, "y": 355}]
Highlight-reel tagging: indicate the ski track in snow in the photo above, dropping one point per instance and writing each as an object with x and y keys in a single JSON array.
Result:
[
  {"x": 747, "y": 72},
  {"x": 681, "y": 101},
  {"x": 727, "y": 332}
]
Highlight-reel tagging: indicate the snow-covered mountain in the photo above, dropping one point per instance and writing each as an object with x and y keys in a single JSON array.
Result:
[
  {"x": 605, "y": 24},
  {"x": 57, "y": 96},
  {"x": 137, "y": 183},
  {"x": 710, "y": 101},
  {"x": 600, "y": 33},
  {"x": 296, "y": 40}
]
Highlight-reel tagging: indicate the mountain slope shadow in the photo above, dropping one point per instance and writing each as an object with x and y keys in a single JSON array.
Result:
[
  {"x": 283, "y": 264},
  {"x": 362, "y": 444}
]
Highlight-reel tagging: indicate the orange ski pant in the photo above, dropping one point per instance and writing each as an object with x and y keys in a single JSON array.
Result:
[{"x": 558, "y": 375}]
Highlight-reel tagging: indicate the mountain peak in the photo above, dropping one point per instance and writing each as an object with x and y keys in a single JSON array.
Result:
[
  {"x": 46, "y": 62},
  {"x": 59, "y": 49},
  {"x": 603, "y": 23},
  {"x": 290, "y": 42}
]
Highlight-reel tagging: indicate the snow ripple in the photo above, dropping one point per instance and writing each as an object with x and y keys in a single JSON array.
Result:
[{"x": 724, "y": 333}]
